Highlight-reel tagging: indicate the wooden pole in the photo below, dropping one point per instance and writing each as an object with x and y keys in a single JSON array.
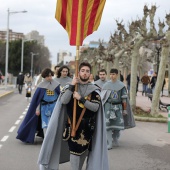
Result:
[{"x": 73, "y": 132}]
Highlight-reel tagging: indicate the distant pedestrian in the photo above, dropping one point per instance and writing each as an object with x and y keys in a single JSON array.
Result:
[
  {"x": 121, "y": 77},
  {"x": 28, "y": 92},
  {"x": 27, "y": 80},
  {"x": 128, "y": 81},
  {"x": 145, "y": 82},
  {"x": 137, "y": 84},
  {"x": 153, "y": 81},
  {"x": 20, "y": 82},
  {"x": 56, "y": 68},
  {"x": 164, "y": 82}
]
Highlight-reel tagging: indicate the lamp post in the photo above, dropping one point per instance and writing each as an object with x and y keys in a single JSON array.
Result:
[
  {"x": 22, "y": 52},
  {"x": 32, "y": 55},
  {"x": 7, "y": 43}
]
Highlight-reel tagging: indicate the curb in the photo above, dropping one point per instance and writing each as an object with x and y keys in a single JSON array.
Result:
[
  {"x": 5, "y": 94},
  {"x": 149, "y": 119}
]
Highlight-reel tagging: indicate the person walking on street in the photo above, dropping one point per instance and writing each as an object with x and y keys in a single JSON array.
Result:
[
  {"x": 40, "y": 109},
  {"x": 121, "y": 77},
  {"x": 164, "y": 82},
  {"x": 28, "y": 92},
  {"x": 153, "y": 82},
  {"x": 115, "y": 100},
  {"x": 128, "y": 81},
  {"x": 20, "y": 82},
  {"x": 63, "y": 76},
  {"x": 145, "y": 82},
  {"x": 102, "y": 78},
  {"x": 56, "y": 68},
  {"x": 27, "y": 80},
  {"x": 90, "y": 137}
]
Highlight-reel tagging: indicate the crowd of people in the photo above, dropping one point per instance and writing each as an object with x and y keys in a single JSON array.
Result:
[{"x": 77, "y": 117}]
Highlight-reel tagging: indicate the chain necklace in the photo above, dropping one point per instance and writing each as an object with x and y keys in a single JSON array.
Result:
[{"x": 81, "y": 92}]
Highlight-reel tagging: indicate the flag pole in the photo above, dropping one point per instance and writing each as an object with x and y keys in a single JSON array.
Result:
[{"x": 73, "y": 132}]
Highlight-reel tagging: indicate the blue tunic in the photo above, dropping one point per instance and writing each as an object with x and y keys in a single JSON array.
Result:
[
  {"x": 47, "y": 109},
  {"x": 32, "y": 123}
]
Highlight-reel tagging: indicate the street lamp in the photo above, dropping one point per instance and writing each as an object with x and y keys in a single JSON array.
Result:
[
  {"x": 7, "y": 43},
  {"x": 32, "y": 55},
  {"x": 22, "y": 52}
]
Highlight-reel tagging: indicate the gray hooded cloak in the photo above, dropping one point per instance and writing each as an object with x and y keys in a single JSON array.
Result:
[
  {"x": 50, "y": 85},
  {"x": 100, "y": 83},
  {"x": 63, "y": 81},
  {"x": 129, "y": 121},
  {"x": 55, "y": 151}
]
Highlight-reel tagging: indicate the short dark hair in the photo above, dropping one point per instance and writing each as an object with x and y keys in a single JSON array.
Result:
[
  {"x": 56, "y": 67},
  {"x": 60, "y": 70},
  {"x": 114, "y": 70},
  {"x": 102, "y": 70},
  {"x": 45, "y": 73},
  {"x": 84, "y": 64}
]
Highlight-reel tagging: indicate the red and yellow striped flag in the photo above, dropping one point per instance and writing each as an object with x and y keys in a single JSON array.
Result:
[{"x": 79, "y": 18}]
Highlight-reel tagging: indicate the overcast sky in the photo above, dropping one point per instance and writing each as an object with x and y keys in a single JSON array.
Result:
[{"x": 41, "y": 17}]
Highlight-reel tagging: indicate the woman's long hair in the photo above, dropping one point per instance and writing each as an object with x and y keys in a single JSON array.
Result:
[{"x": 60, "y": 70}]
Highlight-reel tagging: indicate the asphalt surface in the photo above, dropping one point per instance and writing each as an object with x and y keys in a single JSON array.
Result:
[{"x": 145, "y": 147}]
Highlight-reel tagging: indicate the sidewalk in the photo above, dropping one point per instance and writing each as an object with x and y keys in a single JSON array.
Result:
[
  {"x": 145, "y": 103},
  {"x": 6, "y": 90}
]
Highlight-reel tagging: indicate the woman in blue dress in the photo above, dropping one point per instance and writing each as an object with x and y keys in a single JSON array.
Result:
[{"x": 41, "y": 108}]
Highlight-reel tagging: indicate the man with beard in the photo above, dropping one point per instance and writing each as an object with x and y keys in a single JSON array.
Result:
[
  {"x": 102, "y": 80},
  {"x": 63, "y": 76},
  {"x": 90, "y": 137}
]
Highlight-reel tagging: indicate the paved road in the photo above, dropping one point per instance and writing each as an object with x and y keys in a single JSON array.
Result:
[{"x": 145, "y": 147}]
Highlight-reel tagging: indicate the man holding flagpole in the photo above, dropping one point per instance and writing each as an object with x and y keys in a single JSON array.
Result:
[
  {"x": 90, "y": 135},
  {"x": 79, "y": 18}
]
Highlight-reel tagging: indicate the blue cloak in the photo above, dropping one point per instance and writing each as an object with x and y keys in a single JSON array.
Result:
[{"x": 32, "y": 123}]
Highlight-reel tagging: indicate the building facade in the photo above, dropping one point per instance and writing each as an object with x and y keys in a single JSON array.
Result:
[
  {"x": 12, "y": 35},
  {"x": 34, "y": 35}
]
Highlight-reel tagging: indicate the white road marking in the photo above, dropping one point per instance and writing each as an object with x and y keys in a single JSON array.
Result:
[
  {"x": 4, "y": 138},
  {"x": 26, "y": 109},
  {"x": 24, "y": 113},
  {"x": 0, "y": 146},
  {"x": 12, "y": 129},
  {"x": 21, "y": 117},
  {"x": 17, "y": 122}
]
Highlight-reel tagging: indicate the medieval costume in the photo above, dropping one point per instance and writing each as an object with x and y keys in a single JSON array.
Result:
[
  {"x": 90, "y": 136},
  {"x": 115, "y": 100},
  {"x": 100, "y": 83},
  {"x": 63, "y": 81},
  {"x": 44, "y": 99}
]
